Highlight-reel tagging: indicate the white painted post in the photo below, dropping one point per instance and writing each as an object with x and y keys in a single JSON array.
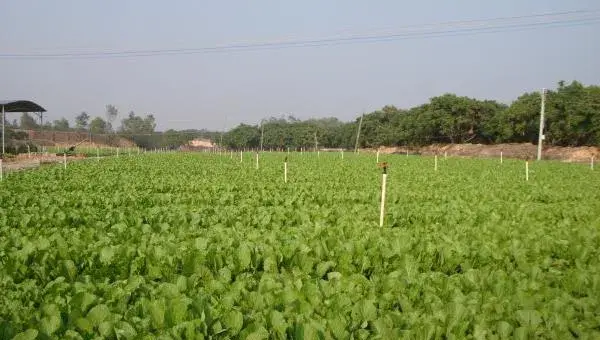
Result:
[
  {"x": 231, "y": 154},
  {"x": 342, "y": 154},
  {"x": 285, "y": 171},
  {"x": 377, "y": 160},
  {"x": 1, "y": 169},
  {"x": 28, "y": 151},
  {"x": 527, "y": 170},
  {"x": 257, "y": 160},
  {"x": 65, "y": 159},
  {"x": 241, "y": 156},
  {"x": 383, "y": 187},
  {"x": 435, "y": 163},
  {"x": 500, "y": 157},
  {"x": 592, "y": 163}
]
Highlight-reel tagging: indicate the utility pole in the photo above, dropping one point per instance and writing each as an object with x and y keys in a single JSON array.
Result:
[
  {"x": 262, "y": 134},
  {"x": 541, "y": 136},
  {"x": 3, "y": 120},
  {"x": 358, "y": 133}
]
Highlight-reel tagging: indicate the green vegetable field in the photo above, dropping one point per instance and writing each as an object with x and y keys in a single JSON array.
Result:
[{"x": 201, "y": 246}]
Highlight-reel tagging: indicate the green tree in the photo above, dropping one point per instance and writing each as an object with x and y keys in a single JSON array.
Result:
[
  {"x": 61, "y": 124},
  {"x": 82, "y": 121},
  {"x": 242, "y": 136},
  {"x": 28, "y": 122},
  {"x": 111, "y": 115},
  {"x": 98, "y": 125}
]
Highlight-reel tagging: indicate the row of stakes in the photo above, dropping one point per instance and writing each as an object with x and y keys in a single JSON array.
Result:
[
  {"x": 65, "y": 158},
  {"x": 384, "y": 166}
]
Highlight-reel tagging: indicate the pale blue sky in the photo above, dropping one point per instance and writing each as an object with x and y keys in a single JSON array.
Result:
[{"x": 220, "y": 90}]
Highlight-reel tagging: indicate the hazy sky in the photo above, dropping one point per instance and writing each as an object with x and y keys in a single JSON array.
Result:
[{"x": 220, "y": 90}]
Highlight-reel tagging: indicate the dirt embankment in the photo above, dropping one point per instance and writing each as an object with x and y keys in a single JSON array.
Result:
[
  {"x": 514, "y": 150},
  {"x": 24, "y": 161}
]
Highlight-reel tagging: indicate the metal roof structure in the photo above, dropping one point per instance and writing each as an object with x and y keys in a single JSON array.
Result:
[{"x": 18, "y": 106}]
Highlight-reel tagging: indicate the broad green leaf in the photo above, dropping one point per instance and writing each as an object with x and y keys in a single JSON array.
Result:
[
  {"x": 234, "y": 321},
  {"x": 30, "y": 334},
  {"x": 277, "y": 322},
  {"x": 98, "y": 314},
  {"x": 106, "y": 255},
  {"x": 157, "y": 313},
  {"x": 124, "y": 330}
]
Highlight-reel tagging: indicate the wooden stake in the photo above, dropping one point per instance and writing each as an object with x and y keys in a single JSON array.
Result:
[
  {"x": 377, "y": 160},
  {"x": 257, "y": 160},
  {"x": 527, "y": 170},
  {"x": 383, "y": 188},
  {"x": 500, "y": 157},
  {"x": 285, "y": 171},
  {"x": 592, "y": 163},
  {"x": 241, "y": 156},
  {"x": 445, "y": 154},
  {"x": 28, "y": 151},
  {"x": 1, "y": 169},
  {"x": 342, "y": 154},
  {"x": 65, "y": 159},
  {"x": 435, "y": 163}
]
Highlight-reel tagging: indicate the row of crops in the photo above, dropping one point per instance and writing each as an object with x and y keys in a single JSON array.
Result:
[{"x": 202, "y": 246}]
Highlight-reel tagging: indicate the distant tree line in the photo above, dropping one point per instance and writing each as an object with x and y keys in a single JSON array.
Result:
[
  {"x": 139, "y": 130},
  {"x": 572, "y": 119}
]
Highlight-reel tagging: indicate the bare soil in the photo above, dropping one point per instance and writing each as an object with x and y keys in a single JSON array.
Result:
[
  {"x": 513, "y": 150},
  {"x": 24, "y": 161}
]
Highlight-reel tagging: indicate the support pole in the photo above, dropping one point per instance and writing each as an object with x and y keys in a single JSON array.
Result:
[
  {"x": 358, "y": 133},
  {"x": 383, "y": 187},
  {"x": 285, "y": 171},
  {"x": 3, "y": 119},
  {"x": 541, "y": 136},
  {"x": 262, "y": 134}
]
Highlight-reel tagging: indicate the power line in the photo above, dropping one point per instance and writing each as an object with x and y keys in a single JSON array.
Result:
[{"x": 582, "y": 17}]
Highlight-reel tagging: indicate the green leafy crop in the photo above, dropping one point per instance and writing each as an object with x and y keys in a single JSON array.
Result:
[{"x": 201, "y": 246}]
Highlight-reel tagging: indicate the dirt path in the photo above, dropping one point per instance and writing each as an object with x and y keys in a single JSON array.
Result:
[
  {"x": 25, "y": 162},
  {"x": 516, "y": 150}
]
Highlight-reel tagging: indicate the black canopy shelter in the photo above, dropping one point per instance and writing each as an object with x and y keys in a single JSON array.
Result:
[{"x": 18, "y": 106}]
